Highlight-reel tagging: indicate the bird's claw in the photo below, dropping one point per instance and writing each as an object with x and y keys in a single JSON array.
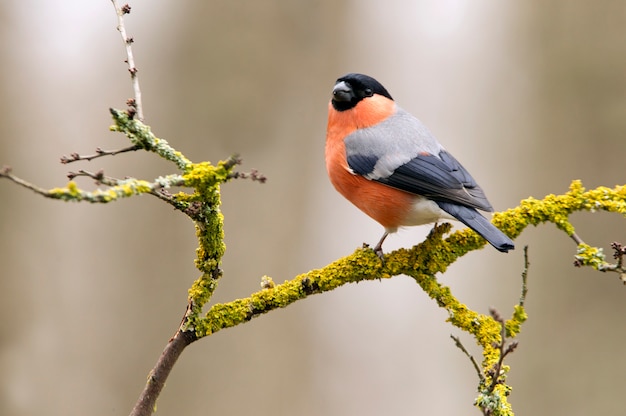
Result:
[{"x": 379, "y": 252}]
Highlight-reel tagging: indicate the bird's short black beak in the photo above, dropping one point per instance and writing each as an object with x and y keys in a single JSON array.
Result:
[{"x": 343, "y": 92}]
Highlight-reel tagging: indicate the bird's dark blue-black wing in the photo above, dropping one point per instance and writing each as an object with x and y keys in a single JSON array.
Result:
[
  {"x": 362, "y": 164},
  {"x": 440, "y": 178}
]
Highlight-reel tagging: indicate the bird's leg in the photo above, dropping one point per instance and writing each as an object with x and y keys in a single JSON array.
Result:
[{"x": 379, "y": 247}]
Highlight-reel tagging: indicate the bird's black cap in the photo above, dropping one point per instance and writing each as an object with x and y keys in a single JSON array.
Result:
[{"x": 352, "y": 88}]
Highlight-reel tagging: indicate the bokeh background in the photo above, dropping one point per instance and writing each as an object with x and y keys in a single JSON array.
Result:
[{"x": 528, "y": 95}]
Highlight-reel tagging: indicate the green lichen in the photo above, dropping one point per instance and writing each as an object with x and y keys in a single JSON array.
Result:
[
  {"x": 514, "y": 325},
  {"x": 495, "y": 402},
  {"x": 125, "y": 189},
  {"x": 590, "y": 256},
  {"x": 70, "y": 193},
  {"x": 140, "y": 135},
  {"x": 362, "y": 265},
  {"x": 435, "y": 255},
  {"x": 557, "y": 208},
  {"x": 203, "y": 206}
]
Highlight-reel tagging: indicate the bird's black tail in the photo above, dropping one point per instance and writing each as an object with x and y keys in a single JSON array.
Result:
[{"x": 473, "y": 219}]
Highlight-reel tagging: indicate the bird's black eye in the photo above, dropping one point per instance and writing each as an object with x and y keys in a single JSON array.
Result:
[{"x": 368, "y": 92}]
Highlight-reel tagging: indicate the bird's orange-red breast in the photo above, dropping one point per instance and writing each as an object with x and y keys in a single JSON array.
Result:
[
  {"x": 388, "y": 164},
  {"x": 388, "y": 206}
]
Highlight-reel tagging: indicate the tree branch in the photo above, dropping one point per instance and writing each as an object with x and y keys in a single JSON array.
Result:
[{"x": 146, "y": 404}]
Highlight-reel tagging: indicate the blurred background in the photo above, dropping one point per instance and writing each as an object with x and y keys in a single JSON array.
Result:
[{"x": 528, "y": 96}]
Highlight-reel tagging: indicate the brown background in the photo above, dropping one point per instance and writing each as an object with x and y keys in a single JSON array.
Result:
[{"x": 528, "y": 97}]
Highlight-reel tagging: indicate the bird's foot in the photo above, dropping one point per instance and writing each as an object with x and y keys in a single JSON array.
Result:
[{"x": 378, "y": 250}]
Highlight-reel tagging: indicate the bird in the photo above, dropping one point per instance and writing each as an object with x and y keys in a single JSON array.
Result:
[{"x": 390, "y": 166}]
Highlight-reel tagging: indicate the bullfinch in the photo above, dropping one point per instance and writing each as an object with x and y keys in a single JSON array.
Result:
[{"x": 388, "y": 164}]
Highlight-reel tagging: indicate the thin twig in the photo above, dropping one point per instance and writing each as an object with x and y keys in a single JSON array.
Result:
[
  {"x": 5, "y": 172},
  {"x": 577, "y": 239},
  {"x": 135, "y": 105},
  {"x": 457, "y": 342},
  {"x": 73, "y": 157},
  {"x": 254, "y": 175},
  {"x": 522, "y": 297}
]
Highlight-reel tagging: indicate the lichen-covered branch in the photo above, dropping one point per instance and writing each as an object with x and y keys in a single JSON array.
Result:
[
  {"x": 140, "y": 135},
  {"x": 557, "y": 209},
  {"x": 434, "y": 254},
  {"x": 202, "y": 205},
  {"x": 423, "y": 262},
  {"x": 123, "y": 188}
]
